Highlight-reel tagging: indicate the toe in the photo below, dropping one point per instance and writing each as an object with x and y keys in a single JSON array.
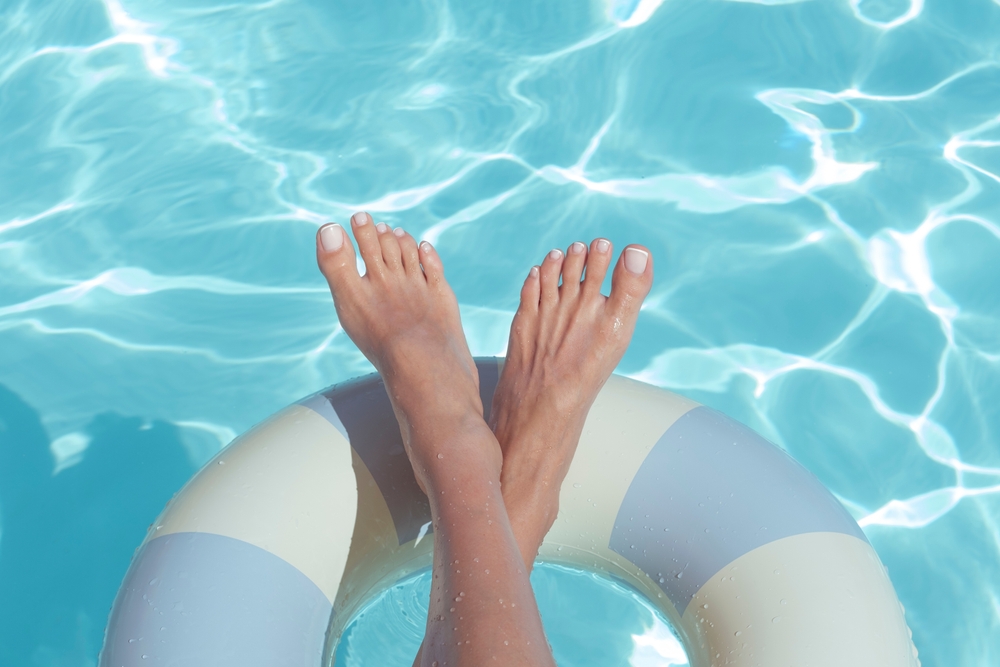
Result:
[
  {"x": 431, "y": 263},
  {"x": 522, "y": 329},
  {"x": 368, "y": 243},
  {"x": 572, "y": 269},
  {"x": 549, "y": 278},
  {"x": 597, "y": 267},
  {"x": 408, "y": 251},
  {"x": 530, "y": 292},
  {"x": 336, "y": 258},
  {"x": 391, "y": 254},
  {"x": 631, "y": 281}
]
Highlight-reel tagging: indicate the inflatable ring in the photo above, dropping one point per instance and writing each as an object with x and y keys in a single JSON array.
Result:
[{"x": 266, "y": 554}]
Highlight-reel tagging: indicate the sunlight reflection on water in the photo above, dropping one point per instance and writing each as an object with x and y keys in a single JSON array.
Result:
[{"x": 818, "y": 183}]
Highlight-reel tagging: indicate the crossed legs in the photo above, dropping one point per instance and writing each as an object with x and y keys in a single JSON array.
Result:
[{"x": 493, "y": 488}]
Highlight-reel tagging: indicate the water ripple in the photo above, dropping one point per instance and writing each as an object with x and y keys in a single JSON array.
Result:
[{"x": 819, "y": 182}]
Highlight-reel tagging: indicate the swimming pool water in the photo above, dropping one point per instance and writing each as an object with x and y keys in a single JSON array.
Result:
[
  {"x": 819, "y": 183},
  {"x": 589, "y": 620}
]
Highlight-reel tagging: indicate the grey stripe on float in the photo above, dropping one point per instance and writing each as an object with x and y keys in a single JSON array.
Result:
[
  {"x": 360, "y": 409},
  {"x": 710, "y": 491},
  {"x": 320, "y": 404},
  {"x": 205, "y": 599}
]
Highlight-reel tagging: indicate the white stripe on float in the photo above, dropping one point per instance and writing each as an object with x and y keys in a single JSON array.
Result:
[{"x": 287, "y": 486}]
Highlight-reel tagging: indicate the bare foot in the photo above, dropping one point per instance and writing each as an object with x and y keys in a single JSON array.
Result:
[
  {"x": 404, "y": 318},
  {"x": 565, "y": 341}
]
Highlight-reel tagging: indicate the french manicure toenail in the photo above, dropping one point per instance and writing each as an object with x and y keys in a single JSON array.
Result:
[
  {"x": 332, "y": 237},
  {"x": 603, "y": 245},
  {"x": 533, "y": 272},
  {"x": 361, "y": 218},
  {"x": 425, "y": 246},
  {"x": 398, "y": 231},
  {"x": 635, "y": 260},
  {"x": 382, "y": 228},
  {"x": 577, "y": 248},
  {"x": 555, "y": 254}
]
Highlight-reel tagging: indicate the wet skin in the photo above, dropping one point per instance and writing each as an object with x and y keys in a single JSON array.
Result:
[{"x": 493, "y": 488}]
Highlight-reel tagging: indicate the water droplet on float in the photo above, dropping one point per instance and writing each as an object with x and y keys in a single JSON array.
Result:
[
  {"x": 680, "y": 575},
  {"x": 738, "y": 633},
  {"x": 776, "y": 619},
  {"x": 221, "y": 463},
  {"x": 575, "y": 486},
  {"x": 704, "y": 606},
  {"x": 783, "y": 601},
  {"x": 661, "y": 580},
  {"x": 440, "y": 456}
]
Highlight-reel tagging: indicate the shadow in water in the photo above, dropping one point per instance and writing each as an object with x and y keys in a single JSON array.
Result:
[{"x": 68, "y": 538}]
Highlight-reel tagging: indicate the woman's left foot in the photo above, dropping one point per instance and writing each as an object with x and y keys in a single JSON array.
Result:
[{"x": 565, "y": 341}]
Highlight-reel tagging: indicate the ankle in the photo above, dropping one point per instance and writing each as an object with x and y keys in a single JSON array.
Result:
[
  {"x": 532, "y": 505},
  {"x": 460, "y": 453}
]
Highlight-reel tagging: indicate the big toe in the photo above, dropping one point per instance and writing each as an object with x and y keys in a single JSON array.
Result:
[
  {"x": 335, "y": 256},
  {"x": 631, "y": 281}
]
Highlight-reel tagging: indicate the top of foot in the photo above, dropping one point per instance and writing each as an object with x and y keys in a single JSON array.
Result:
[
  {"x": 565, "y": 342},
  {"x": 404, "y": 318}
]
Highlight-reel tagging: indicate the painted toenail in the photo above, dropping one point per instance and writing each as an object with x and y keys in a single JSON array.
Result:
[
  {"x": 635, "y": 260},
  {"x": 577, "y": 248},
  {"x": 533, "y": 272},
  {"x": 425, "y": 246},
  {"x": 361, "y": 218},
  {"x": 398, "y": 231},
  {"x": 332, "y": 237},
  {"x": 603, "y": 245},
  {"x": 555, "y": 254},
  {"x": 382, "y": 228}
]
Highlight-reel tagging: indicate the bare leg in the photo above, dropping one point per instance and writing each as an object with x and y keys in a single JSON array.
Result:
[
  {"x": 565, "y": 341},
  {"x": 405, "y": 319}
]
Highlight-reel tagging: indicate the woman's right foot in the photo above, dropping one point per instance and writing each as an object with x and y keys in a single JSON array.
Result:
[
  {"x": 404, "y": 317},
  {"x": 565, "y": 342}
]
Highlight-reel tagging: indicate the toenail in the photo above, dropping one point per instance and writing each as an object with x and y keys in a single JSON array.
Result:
[
  {"x": 577, "y": 248},
  {"x": 382, "y": 228},
  {"x": 635, "y": 260},
  {"x": 361, "y": 218},
  {"x": 332, "y": 237},
  {"x": 555, "y": 254},
  {"x": 533, "y": 272},
  {"x": 603, "y": 245},
  {"x": 425, "y": 246},
  {"x": 398, "y": 231}
]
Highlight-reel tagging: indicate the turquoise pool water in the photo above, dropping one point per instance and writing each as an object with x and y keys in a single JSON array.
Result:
[
  {"x": 819, "y": 182},
  {"x": 589, "y": 620}
]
